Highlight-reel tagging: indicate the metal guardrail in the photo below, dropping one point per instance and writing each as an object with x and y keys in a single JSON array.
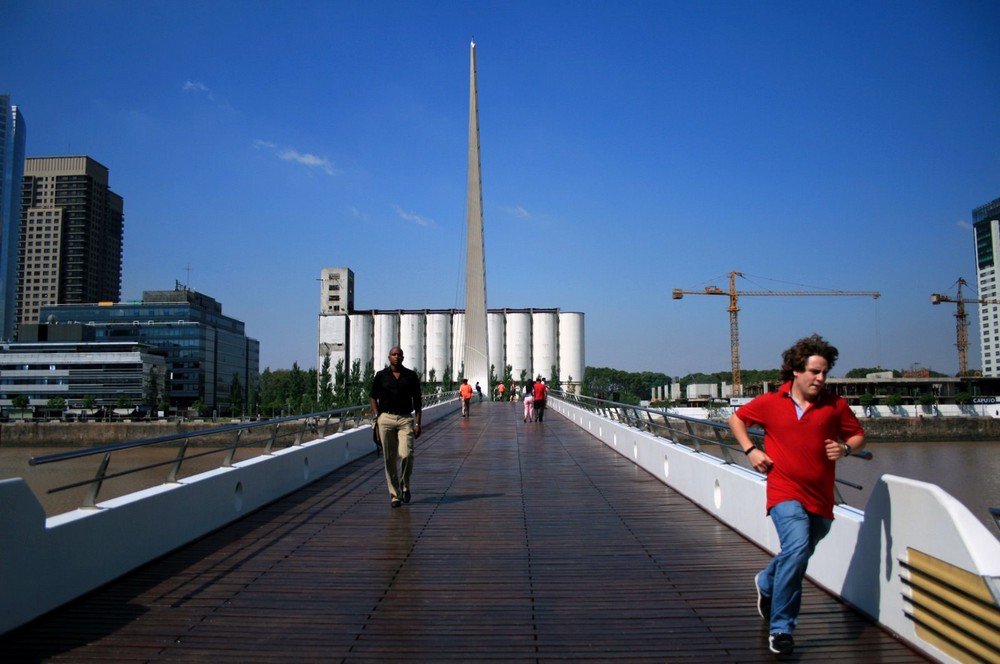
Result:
[
  {"x": 690, "y": 431},
  {"x": 265, "y": 434}
]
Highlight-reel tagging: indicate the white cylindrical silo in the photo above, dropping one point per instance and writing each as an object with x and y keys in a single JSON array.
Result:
[
  {"x": 571, "y": 356},
  {"x": 362, "y": 338},
  {"x": 543, "y": 344},
  {"x": 495, "y": 330},
  {"x": 457, "y": 343},
  {"x": 439, "y": 358},
  {"x": 412, "y": 327},
  {"x": 386, "y": 336},
  {"x": 332, "y": 340},
  {"x": 519, "y": 344}
]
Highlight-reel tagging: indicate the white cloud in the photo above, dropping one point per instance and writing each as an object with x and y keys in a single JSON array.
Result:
[
  {"x": 964, "y": 225},
  {"x": 306, "y": 159},
  {"x": 195, "y": 86},
  {"x": 291, "y": 154},
  {"x": 410, "y": 216}
]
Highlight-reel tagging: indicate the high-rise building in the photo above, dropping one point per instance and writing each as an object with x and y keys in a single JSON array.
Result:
[
  {"x": 986, "y": 222},
  {"x": 72, "y": 226},
  {"x": 13, "y": 135},
  {"x": 206, "y": 351}
]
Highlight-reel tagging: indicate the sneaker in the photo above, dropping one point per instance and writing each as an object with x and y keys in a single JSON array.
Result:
[
  {"x": 781, "y": 643},
  {"x": 763, "y": 601}
]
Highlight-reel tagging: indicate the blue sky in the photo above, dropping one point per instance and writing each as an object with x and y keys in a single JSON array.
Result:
[{"x": 628, "y": 148}]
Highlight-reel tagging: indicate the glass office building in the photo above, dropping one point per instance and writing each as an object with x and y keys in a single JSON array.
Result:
[
  {"x": 12, "y": 142},
  {"x": 205, "y": 350}
]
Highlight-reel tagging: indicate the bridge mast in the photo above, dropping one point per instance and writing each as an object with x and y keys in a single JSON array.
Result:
[{"x": 476, "y": 352}]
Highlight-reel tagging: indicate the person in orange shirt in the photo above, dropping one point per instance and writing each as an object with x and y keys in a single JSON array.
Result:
[{"x": 465, "y": 391}]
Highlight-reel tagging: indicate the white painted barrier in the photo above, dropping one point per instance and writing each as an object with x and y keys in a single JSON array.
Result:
[
  {"x": 45, "y": 563},
  {"x": 866, "y": 558}
]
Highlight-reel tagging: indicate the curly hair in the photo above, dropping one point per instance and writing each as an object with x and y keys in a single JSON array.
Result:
[{"x": 795, "y": 358}]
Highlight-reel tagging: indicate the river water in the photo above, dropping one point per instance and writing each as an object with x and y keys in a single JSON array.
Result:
[{"x": 969, "y": 471}]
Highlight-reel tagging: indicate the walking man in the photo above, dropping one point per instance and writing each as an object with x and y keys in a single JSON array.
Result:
[
  {"x": 807, "y": 430},
  {"x": 540, "y": 392},
  {"x": 396, "y": 404},
  {"x": 465, "y": 392}
]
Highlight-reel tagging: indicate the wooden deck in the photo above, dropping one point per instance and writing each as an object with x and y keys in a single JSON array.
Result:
[{"x": 523, "y": 543}]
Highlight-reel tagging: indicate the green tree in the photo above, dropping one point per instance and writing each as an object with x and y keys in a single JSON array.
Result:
[
  {"x": 630, "y": 387},
  {"x": 326, "y": 389},
  {"x": 151, "y": 387},
  {"x": 56, "y": 403}
]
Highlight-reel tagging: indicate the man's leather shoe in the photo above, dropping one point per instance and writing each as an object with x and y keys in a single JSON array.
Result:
[
  {"x": 395, "y": 502},
  {"x": 406, "y": 495}
]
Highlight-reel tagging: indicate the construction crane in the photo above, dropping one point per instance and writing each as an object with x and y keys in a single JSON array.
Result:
[
  {"x": 961, "y": 322},
  {"x": 734, "y": 328}
]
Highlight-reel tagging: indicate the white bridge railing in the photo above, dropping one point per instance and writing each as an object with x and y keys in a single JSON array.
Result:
[
  {"x": 915, "y": 559},
  {"x": 46, "y": 562}
]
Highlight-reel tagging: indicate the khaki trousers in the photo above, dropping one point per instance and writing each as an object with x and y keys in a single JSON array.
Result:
[{"x": 396, "y": 433}]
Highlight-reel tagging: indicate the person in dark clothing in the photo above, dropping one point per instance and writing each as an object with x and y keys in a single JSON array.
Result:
[{"x": 396, "y": 404}]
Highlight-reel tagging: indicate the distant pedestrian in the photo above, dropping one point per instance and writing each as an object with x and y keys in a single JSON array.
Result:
[
  {"x": 465, "y": 393},
  {"x": 479, "y": 391},
  {"x": 540, "y": 392},
  {"x": 396, "y": 404},
  {"x": 529, "y": 401},
  {"x": 804, "y": 425},
  {"x": 501, "y": 388}
]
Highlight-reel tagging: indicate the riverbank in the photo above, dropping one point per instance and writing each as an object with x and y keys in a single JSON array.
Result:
[
  {"x": 92, "y": 434},
  {"x": 926, "y": 429}
]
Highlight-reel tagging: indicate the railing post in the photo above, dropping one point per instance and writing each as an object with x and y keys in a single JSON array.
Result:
[
  {"x": 175, "y": 467},
  {"x": 270, "y": 443},
  {"x": 228, "y": 461},
  {"x": 90, "y": 500}
]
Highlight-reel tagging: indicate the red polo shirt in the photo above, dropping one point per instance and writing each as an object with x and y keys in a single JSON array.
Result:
[{"x": 797, "y": 446}]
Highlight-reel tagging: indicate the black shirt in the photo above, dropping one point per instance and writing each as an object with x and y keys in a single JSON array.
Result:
[{"x": 399, "y": 396}]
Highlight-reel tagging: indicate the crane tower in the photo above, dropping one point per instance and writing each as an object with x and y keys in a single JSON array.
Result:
[
  {"x": 734, "y": 328},
  {"x": 961, "y": 322}
]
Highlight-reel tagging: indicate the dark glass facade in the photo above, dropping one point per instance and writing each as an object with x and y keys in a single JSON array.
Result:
[
  {"x": 981, "y": 218},
  {"x": 204, "y": 349}
]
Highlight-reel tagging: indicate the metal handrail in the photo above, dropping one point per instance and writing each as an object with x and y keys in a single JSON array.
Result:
[
  {"x": 680, "y": 429},
  {"x": 294, "y": 427}
]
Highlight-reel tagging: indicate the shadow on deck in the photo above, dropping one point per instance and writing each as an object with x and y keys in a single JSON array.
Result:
[{"x": 523, "y": 543}]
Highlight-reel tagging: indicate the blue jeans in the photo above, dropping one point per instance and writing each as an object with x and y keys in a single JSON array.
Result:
[{"x": 799, "y": 532}]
